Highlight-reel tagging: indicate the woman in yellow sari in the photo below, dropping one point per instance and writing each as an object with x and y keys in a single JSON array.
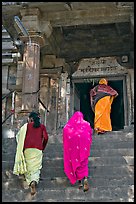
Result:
[
  {"x": 31, "y": 141},
  {"x": 101, "y": 97}
]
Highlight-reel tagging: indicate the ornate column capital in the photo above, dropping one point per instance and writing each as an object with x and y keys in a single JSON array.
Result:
[{"x": 31, "y": 19}]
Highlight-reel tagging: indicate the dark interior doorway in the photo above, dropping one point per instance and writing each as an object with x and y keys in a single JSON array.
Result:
[{"x": 117, "y": 109}]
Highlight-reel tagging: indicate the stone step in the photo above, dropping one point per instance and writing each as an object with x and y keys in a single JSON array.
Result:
[
  {"x": 111, "y": 135},
  {"x": 113, "y": 138},
  {"x": 94, "y": 153},
  {"x": 94, "y": 171},
  {"x": 9, "y": 155},
  {"x": 93, "y": 162},
  {"x": 122, "y": 148},
  {"x": 99, "y": 149},
  {"x": 112, "y": 152},
  {"x": 15, "y": 182},
  {"x": 112, "y": 144},
  {"x": 114, "y": 135},
  {"x": 106, "y": 171},
  {"x": 96, "y": 145},
  {"x": 72, "y": 193},
  {"x": 97, "y": 139}
]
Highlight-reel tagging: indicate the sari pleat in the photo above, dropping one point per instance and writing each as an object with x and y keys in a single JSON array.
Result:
[
  {"x": 20, "y": 164},
  {"x": 102, "y": 121}
]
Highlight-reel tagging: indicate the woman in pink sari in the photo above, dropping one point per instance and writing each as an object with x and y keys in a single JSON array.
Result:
[{"x": 77, "y": 140}]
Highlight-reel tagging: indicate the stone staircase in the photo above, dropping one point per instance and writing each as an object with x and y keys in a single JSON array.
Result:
[{"x": 111, "y": 172}]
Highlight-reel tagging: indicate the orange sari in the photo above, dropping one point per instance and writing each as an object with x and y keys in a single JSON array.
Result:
[{"x": 102, "y": 121}]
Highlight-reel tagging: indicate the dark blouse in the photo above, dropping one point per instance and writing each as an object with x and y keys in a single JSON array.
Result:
[
  {"x": 99, "y": 92},
  {"x": 36, "y": 137}
]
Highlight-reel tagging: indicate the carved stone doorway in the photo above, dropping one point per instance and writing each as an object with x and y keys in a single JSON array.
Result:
[{"x": 88, "y": 74}]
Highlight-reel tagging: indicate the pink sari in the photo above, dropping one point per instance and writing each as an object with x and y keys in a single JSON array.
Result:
[{"x": 77, "y": 140}]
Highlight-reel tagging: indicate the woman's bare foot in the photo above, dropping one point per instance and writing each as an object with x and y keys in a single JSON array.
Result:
[
  {"x": 33, "y": 187},
  {"x": 86, "y": 185}
]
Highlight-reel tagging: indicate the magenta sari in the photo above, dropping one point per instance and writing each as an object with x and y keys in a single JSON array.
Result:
[{"x": 77, "y": 140}]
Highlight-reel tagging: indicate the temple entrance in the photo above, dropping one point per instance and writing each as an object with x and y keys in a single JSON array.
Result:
[
  {"x": 88, "y": 74},
  {"x": 82, "y": 103}
]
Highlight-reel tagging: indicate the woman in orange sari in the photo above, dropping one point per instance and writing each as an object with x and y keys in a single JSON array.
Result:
[{"x": 101, "y": 97}]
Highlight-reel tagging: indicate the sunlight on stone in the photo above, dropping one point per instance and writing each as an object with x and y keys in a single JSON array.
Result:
[
  {"x": 8, "y": 173},
  {"x": 6, "y": 185},
  {"x": 50, "y": 200},
  {"x": 121, "y": 199},
  {"x": 9, "y": 134},
  {"x": 131, "y": 169},
  {"x": 129, "y": 160},
  {"x": 59, "y": 180},
  {"x": 93, "y": 158},
  {"x": 130, "y": 135},
  {"x": 26, "y": 186},
  {"x": 131, "y": 193},
  {"x": 62, "y": 92}
]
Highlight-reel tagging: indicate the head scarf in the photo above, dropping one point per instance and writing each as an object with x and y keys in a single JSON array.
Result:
[{"x": 103, "y": 81}]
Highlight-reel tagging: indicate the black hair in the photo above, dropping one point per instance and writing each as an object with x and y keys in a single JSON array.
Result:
[{"x": 36, "y": 118}]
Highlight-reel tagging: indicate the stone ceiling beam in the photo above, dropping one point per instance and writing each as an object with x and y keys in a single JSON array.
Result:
[
  {"x": 82, "y": 13},
  {"x": 93, "y": 16},
  {"x": 77, "y": 25}
]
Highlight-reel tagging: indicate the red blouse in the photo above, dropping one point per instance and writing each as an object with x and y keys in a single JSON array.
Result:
[{"x": 36, "y": 137}]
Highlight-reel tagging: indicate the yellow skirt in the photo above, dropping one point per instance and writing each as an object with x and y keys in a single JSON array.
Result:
[
  {"x": 33, "y": 159},
  {"x": 102, "y": 121}
]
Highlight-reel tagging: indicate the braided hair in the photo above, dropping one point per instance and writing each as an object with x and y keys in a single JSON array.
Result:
[{"x": 36, "y": 119}]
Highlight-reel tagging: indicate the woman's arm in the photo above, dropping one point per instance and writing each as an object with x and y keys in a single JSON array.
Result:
[{"x": 45, "y": 137}]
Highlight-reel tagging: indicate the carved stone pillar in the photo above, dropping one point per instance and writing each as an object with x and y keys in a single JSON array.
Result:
[
  {"x": 31, "y": 58},
  {"x": 31, "y": 77},
  {"x": 62, "y": 115}
]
